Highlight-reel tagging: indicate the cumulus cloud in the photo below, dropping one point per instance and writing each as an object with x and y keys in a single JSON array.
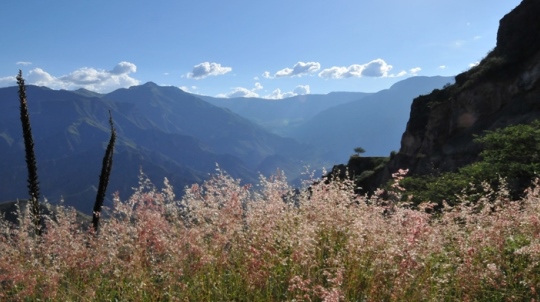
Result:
[
  {"x": 375, "y": 68},
  {"x": 298, "y": 70},
  {"x": 267, "y": 75},
  {"x": 124, "y": 67},
  {"x": 239, "y": 92},
  {"x": 401, "y": 74},
  {"x": 190, "y": 89},
  {"x": 415, "y": 71},
  {"x": 301, "y": 90},
  {"x": 277, "y": 94},
  {"x": 442, "y": 67},
  {"x": 24, "y": 63},
  {"x": 474, "y": 64},
  {"x": 206, "y": 69},
  {"x": 342, "y": 72},
  {"x": 89, "y": 78},
  {"x": 8, "y": 81},
  {"x": 412, "y": 72},
  {"x": 40, "y": 77}
]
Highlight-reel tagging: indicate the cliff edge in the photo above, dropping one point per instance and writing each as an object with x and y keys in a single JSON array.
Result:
[{"x": 504, "y": 89}]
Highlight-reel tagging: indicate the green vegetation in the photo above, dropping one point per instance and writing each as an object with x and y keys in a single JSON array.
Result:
[
  {"x": 488, "y": 68},
  {"x": 226, "y": 242},
  {"x": 510, "y": 160},
  {"x": 359, "y": 150}
]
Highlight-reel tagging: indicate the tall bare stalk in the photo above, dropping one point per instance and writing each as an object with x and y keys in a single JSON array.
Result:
[
  {"x": 33, "y": 183},
  {"x": 104, "y": 176}
]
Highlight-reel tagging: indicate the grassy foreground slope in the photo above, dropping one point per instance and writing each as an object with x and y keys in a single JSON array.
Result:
[{"x": 224, "y": 241}]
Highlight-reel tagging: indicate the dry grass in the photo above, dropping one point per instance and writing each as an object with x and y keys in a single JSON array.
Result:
[{"x": 227, "y": 242}]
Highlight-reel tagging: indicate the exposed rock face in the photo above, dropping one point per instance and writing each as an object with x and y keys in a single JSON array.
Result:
[
  {"x": 504, "y": 89},
  {"x": 519, "y": 30}
]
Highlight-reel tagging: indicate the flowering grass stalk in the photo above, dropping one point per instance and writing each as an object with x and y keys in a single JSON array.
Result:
[{"x": 224, "y": 241}]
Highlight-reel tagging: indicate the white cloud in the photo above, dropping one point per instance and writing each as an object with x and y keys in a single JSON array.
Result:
[
  {"x": 474, "y": 64},
  {"x": 277, "y": 94},
  {"x": 299, "y": 69},
  {"x": 239, "y": 92},
  {"x": 341, "y": 72},
  {"x": 206, "y": 69},
  {"x": 401, "y": 73},
  {"x": 412, "y": 72},
  {"x": 24, "y": 63},
  {"x": 442, "y": 67},
  {"x": 8, "y": 81},
  {"x": 89, "y": 78},
  {"x": 415, "y": 70},
  {"x": 190, "y": 89},
  {"x": 375, "y": 68},
  {"x": 40, "y": 77},
  {"x": 124, "y": 68},
  {"x": 301, "y": 90}
]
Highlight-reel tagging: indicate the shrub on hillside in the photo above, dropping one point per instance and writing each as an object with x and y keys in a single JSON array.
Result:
[{"x": 510, "y": 160}]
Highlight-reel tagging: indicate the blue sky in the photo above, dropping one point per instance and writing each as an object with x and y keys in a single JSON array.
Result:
[{"x": 271, "y": 49}]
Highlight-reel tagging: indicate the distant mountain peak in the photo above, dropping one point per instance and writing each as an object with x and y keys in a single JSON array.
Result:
[
  {"x": 150, "y": 84},
  {"x": 87, "y": 93}
]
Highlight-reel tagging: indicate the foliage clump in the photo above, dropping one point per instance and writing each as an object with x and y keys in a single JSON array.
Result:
[{"x": 510, "y": 159}]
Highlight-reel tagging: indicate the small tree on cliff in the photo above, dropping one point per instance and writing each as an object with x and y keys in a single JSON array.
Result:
[{"x": 359, "y": 150}]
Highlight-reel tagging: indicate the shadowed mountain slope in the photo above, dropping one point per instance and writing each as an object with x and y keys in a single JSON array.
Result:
[{"x": 161, "y": 130}]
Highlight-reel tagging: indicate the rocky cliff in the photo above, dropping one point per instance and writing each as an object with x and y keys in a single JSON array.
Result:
[{"x": 504, "y": 89}]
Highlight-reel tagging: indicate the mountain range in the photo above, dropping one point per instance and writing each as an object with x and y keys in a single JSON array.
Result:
[
  {"x": 336, "y": 123},
  {"x": 280, "y": 115},
  {"x": 166, "y": 132}
]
